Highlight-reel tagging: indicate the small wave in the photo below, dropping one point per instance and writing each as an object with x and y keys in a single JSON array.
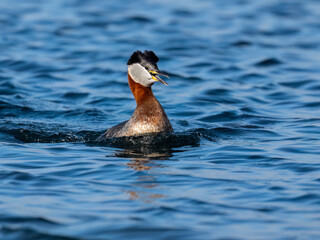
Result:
[
  {"x": 252, "y": 77},
  {"x": 22, "y": 66},
  {"x": 242, "y": 43},
  {"x": 20, "y": 219},
  {"x": 12, "y": 232},
  {"x": 96, "y": 24},
  {"x": 140, "y": 19},
  {"x": 58, "y": 133},
  {"x": 75, "y": 95},
  {"x": 49, "y": 77},
  {"x": 37, "y": 132},
  {"x": 297, "y": 84},
  {"x": 269, "y": 62},
  {"x": 55, "y": 133}
]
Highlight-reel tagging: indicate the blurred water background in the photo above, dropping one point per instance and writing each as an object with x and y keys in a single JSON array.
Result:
[{"x": 243, "y": 98}]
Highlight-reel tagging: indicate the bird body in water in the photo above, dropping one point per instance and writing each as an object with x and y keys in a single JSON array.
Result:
[{"x": 149, "y": 116}]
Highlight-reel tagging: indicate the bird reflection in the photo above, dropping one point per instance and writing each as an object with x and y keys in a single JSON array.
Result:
[
  {"x": 145, "y": 187},
  {"x": 143, "y": 159},
  {"x": 149, "y": 152},
  {"x": 144, "y": 196},
  {"x": 145, "y": 155}
]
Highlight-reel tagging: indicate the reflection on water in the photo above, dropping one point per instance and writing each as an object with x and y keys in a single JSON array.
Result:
[
  {"x": 146, "y": 154},
  {"x": 144, "y": 196},
  {"x": 146, "y": 185},
  {"x": 145, "y": 159}
]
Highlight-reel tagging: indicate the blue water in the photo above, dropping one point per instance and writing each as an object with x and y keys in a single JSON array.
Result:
[{"x": 243, "y": 98}]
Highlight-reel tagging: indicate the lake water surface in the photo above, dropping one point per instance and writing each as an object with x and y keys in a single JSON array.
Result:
[{"x": 243, "y": 98}]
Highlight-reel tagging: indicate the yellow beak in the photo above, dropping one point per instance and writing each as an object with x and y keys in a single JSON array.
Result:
[{"x": 155, "y": 76}]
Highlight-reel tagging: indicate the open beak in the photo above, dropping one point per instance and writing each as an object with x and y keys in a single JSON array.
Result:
[{"x": 155, "y": 76}]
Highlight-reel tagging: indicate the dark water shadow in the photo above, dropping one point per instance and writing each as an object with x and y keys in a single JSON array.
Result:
[
  {"x": 152, "y": 142},
  {"x": 144, "y": 148}
]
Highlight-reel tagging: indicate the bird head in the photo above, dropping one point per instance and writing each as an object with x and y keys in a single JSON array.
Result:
[{"x": 143, "y": 69}]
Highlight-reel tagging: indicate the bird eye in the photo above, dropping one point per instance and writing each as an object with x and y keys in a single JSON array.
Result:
[{"x": 147, "y": 68}]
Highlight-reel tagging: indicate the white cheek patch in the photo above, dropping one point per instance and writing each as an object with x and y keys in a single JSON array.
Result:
[{"x": 140, "y": 75}]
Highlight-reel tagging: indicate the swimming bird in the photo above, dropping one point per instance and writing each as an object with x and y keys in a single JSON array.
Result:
[{"x": 149, "y": 116}]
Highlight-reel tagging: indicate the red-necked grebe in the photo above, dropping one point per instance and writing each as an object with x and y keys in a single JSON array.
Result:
[{"x": 149, "y": 116}]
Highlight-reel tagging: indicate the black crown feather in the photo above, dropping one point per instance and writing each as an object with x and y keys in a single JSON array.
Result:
[
  {"x": 138, "y": 57},
  {"x": 151, "y": 55}
]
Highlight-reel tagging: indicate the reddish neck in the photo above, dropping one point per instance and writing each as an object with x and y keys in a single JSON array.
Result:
[{"x": 140, "y": 93}]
